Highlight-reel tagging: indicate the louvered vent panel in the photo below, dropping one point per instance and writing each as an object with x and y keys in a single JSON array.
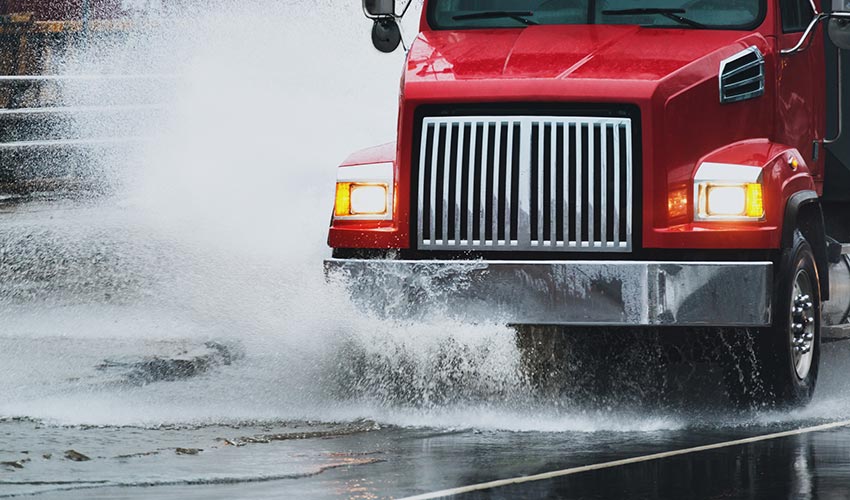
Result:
[{"x": 742, "y": 76}]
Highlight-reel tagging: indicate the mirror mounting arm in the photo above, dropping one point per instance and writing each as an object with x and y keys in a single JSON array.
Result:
[
  {"x": 840, "y": 104},
  {"x": 823, "y": 16},
  {"x": 801, "y": 44}
]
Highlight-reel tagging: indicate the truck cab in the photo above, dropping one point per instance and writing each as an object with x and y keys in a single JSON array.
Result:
[{"x": 613, "y": 164}]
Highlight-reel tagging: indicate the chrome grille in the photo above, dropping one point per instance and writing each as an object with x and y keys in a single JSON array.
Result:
[{"x": 537, "y": 183}]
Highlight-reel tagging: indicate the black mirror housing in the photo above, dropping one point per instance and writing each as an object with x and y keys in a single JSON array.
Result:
[
  {"x": 839, "y": 24},
  {"x": 386, "y": 35},
  {"x": 839, "y": 33},
  {"x": 379, "y": 8}
]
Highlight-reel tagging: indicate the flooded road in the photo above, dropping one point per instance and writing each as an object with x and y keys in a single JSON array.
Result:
[
  {"x": 136, "y": 363},
  {"x": 175, "y": 337},
  {"x": 459, "y": 447}
]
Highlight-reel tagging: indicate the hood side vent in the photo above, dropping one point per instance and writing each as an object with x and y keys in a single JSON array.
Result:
[{"x": 742, "y": 76}]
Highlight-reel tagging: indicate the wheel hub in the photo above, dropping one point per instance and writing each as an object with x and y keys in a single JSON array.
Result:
[{"x": 802, "y": 325}]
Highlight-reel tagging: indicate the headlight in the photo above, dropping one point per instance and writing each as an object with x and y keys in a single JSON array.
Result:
[
  {"x": 361, "y": 199},
  {"x": 365, "y": 192},
  {"x": 728, "y": 193}
]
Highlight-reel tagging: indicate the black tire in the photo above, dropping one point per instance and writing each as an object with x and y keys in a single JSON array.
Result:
[{"x": 778, "y": 372}]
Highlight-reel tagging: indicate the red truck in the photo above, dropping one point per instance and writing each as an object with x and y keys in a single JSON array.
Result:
[{"x": 670, "y": 164}]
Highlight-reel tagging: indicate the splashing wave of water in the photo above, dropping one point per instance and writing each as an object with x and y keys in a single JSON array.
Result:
[{"x": 215, "y": 232}]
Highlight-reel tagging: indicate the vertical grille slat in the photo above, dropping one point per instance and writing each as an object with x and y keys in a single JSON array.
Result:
[
  {"x": 485, "y": 160},
  {"x": 435, "y": 160},
  {"x": 603, "y": 163},
  {"x": 553, "y": 188},
  {"x": 540, "y": 183},
  {"x": 423, "y": 147},
  {"x": 617, "y": 193},
  {"x": 470, "y": 203},
  {"x": 629, "y": 194},
  {"x": 446, "y": 168},
  {"x": 457, "y": 195},
  {"x": 591, "y": 186},
  {"x": 525, "y": 182},
  {"x": 509, "y": 169},
  {"x": 497, "y": 158},
  {"x": 579, "y": 184},
  {"x": 567, "y": 186}
]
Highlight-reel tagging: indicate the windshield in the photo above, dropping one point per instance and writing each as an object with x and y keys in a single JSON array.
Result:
[{"x": 692, "y": 14}]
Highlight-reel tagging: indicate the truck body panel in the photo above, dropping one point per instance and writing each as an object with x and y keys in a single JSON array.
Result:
[{"x": 670, "y": 75}]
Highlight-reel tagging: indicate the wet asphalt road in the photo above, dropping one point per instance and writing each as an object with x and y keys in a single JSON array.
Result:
[
  {"x": 109, "y": 343},
  {"x": 393, "y": 463},
  {"x": 365, "y": 459}
]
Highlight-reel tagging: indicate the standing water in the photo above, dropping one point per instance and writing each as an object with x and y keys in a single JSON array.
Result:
[{"x": 193, "y": 293}]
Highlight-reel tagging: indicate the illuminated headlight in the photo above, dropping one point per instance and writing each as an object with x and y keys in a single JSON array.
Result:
[
  {"x": 365, "y": 192},
  {"x": 728, "y": 193}
]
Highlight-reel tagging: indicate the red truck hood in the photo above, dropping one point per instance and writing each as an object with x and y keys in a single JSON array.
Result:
[{"x": 608, "y": 52}]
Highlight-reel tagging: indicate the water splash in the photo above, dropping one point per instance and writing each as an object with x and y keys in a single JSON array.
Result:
[{"x": 214, "y": 231}]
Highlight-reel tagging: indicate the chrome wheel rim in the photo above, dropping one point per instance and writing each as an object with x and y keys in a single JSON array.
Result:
[{"x": 802, "y": 323}]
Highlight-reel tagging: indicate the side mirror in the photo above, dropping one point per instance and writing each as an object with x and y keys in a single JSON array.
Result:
[
  {"x": 386, "y": 35},
  {"x": 379, "y": 8},
  {"x": 839, "y": 24}
]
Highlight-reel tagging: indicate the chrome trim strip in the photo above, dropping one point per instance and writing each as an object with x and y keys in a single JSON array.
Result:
[
  {"x": 579, "y": 202},
  {"x": 541, "y": 132},
  {"x": 743, "y": 83},
  {"x": 434, "y": 161},
  {"x": 494, "y": 213},
  {"x": 470, "y": 203},
  {"x": 745, "y": 67},
  {"x": 447, "y": 158},
  {"x": 525, "y": 166},
  {"x": 591, "y": 153},
  {"x": 485, "y": 159},
  {"x": 566, "y": 208},
  {"x": 629, "y": 184},
  {"x": 553, "y": 188},
  {"x": 458, "y": 182},
  {"x": 604, "y": 188},
  {"x": 423, "y": 148},
  {"x": 617, "y": 193},
  {"x": 595, "y": 293},
  {"x": 509, "y": 170}
]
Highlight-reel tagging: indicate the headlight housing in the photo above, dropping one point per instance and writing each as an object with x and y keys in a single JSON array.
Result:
[
  {"x": 726, "y": 192},
  {"x": 364, "y": 192}
]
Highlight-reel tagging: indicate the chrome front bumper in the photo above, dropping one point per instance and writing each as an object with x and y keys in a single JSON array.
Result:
[{"x": 564, "y": 293}]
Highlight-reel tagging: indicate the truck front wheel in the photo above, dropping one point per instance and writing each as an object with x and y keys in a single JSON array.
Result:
[{"x": 787, "y": 355}]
